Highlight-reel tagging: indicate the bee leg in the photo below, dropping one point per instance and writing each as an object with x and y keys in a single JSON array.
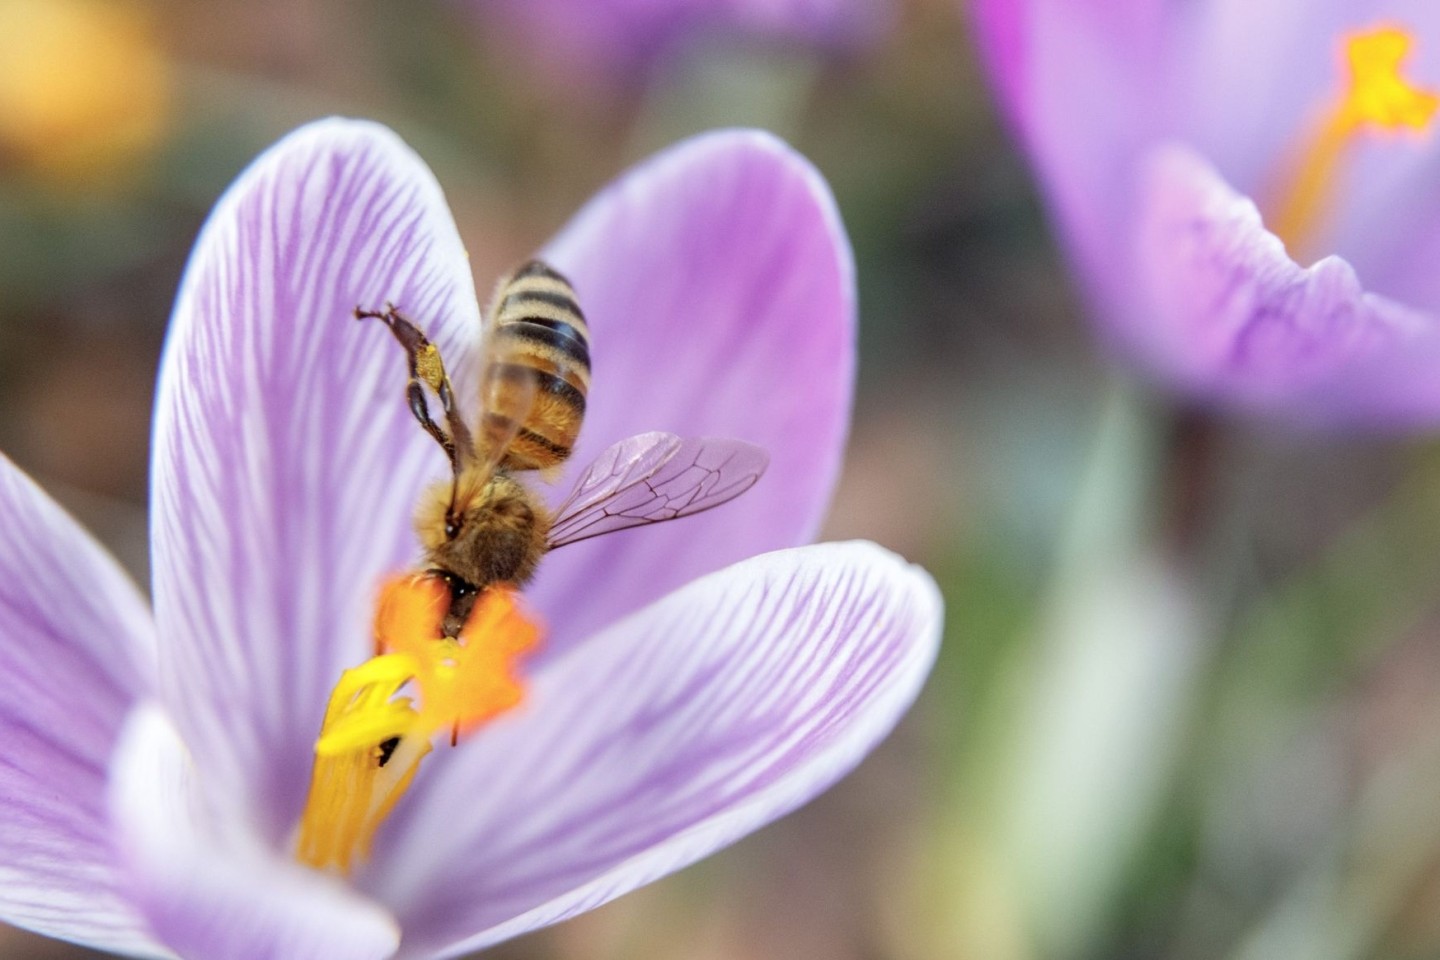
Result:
[
  {"x": 426, "y": 368},
  {"x": 420, "y": 409},
  {"x": 458, "y": 431}
]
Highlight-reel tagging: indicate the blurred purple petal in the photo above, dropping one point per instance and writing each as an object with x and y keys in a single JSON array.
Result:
[
  {"x": 1094, "y": 89},
  {"x": 1083, "y": 86},
  {"x": 609, "y": 36},
  {"x": 78, "y": 649},
  {"x": 719, "y": 288},
  {"x": 1230, "y": 311},
  {"x": 677, "y": 731},
  {"x": 206, "y": 889},
  {"x": 286, "y": 462}
]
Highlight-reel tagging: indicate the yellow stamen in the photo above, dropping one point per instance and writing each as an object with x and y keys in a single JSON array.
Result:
[
  {"x": 1376, "y": 99},
  {"x": 373, "y": 739},
  {"x": 363, "y": 708},
  {"x": 352, "y": 792},
  {"x": 465, "y": 682}
]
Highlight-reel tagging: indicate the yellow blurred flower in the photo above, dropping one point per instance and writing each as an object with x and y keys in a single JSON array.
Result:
[{"x": 85, "y": 86}]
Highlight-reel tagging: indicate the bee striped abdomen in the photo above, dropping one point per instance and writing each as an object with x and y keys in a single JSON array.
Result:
[{"x": 540, "y": 371}]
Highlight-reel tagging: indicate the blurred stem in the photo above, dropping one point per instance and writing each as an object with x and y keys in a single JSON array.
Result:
[
  {"x": 1085, "y": 718},
  {"x": 1112, "y": 686},
  {"x": 1341, "y": 905},
  {"x": 1116, "y": 499},
  {"x": 1373, "y": 587},
  {"x": 1211, "y": 487}
]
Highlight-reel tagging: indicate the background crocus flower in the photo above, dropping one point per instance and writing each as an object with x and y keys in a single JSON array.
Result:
[
  {"x": 1246, "y": 190},
  {"x": 157, "y": 764},
  {"x": 86, "y": 88},
  {"x": 611, "y": 36}
]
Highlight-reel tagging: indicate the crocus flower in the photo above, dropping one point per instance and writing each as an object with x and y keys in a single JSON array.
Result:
[
  {"x": 615, "y": 37},
  {"x": 1245, "y": 189},
  {"x": 158, "y": 761}
]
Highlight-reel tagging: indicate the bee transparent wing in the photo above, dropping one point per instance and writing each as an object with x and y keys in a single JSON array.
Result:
[
  {"x": 508, "y": 394},
  {"x": 654, "y": 477}
]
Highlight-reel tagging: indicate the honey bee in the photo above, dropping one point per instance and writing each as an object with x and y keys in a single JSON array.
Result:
[{"x": 484, "y": 525}]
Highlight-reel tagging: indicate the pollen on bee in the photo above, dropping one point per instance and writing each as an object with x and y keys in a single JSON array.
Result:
[
  {"x": 428, "y": 366},
  {"x": 383, "y": 715},
  {"x": 464, "y": 681}
]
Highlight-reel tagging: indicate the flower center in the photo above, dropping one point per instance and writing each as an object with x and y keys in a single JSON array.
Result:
[
  {"x": 373, "y": 737},
  {"x": 1376, "y": 99}
]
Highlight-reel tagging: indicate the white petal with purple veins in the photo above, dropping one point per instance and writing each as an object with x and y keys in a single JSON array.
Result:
[
  {"x": 208, "y": 889},
  {"x": 719, "y": 288},
  {"x": 286, "y": 462},
  {"x": 675, "y": 732},
  {"x": 76, "y": 650}
]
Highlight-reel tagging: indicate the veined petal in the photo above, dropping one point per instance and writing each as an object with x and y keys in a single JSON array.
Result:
[
  {"x": 677, "y": 731},
  {"x": 209, "y": 889},
  {"x": 76, "y": 649},
  {"x": 719, "y": 287},
  {"x": 1227, "y": 312},
  {"x": 286, "y": 461}
]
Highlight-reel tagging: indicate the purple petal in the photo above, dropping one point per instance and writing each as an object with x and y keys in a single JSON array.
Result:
[
  {"x": 1224, "y": 310},
  {"x": 1093, "y": 87},
  {"x": 1260, "y": 77},
  {"x": 1085, "y": 84},
  {"x": 286, "y": 460},
  {"x": 719, "y": 287},
  {"x": 616, "y": 35},
  {"x": 78, "y": 648},
  {"x": 1255, "y": 75},
  {"x": 1386, "y": 222},
  {"x": 677, "y": 731},
  {"x": 1258, "y": 73},
  {"x": 208, "y": 889}
]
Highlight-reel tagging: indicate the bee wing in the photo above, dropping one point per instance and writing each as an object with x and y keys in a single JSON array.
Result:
[
  {"x": 508, "y": 393},
  {"x": 653, "y": 477},
  {"x": 535, "y": 370}
]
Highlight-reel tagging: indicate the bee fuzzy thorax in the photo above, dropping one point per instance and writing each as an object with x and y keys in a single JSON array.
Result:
[{"x": 499, "y": 529}]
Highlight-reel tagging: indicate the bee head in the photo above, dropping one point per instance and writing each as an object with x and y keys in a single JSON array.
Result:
[{"x": 483, "y": 530}]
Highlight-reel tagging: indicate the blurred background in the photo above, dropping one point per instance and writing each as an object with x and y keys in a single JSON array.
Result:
[{"x": 1188, "y": 703}]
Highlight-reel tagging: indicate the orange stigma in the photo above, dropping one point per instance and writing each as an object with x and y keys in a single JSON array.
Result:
[
  {"x": 1376, "y": 99},
  {"x": 373, "y": 737}
]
